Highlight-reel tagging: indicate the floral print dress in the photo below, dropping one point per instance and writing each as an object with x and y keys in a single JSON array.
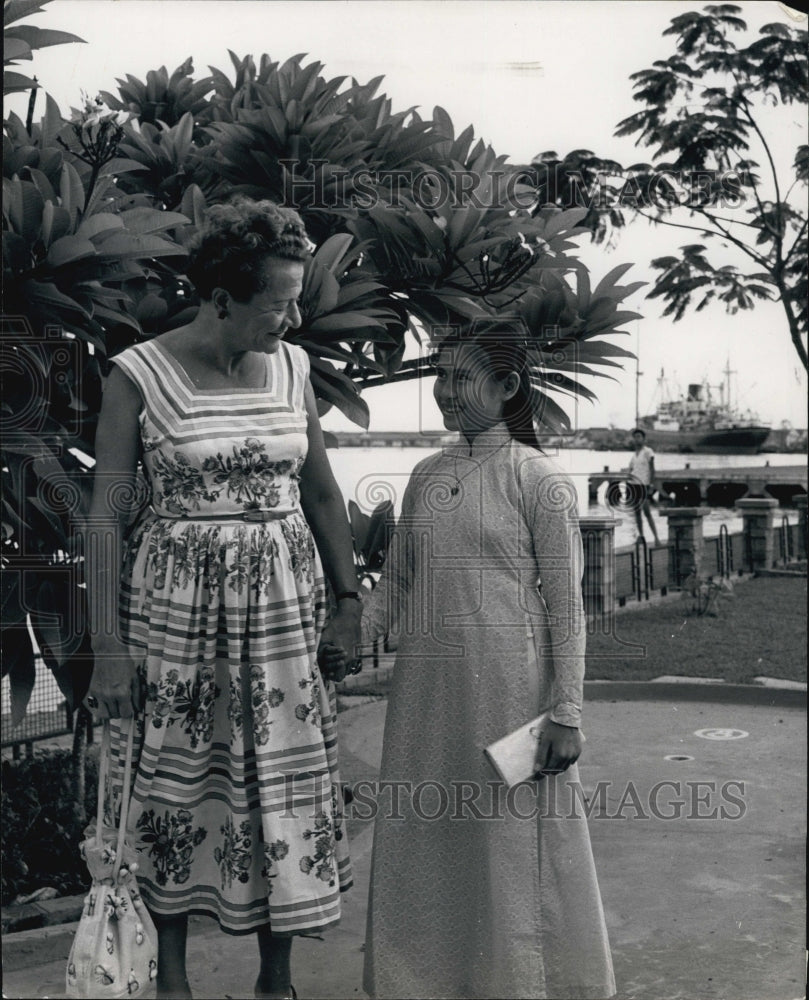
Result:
[{"x": 236, "y": 806}]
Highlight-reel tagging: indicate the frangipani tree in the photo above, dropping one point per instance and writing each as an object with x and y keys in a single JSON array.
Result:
[
  {"x": 437, "y": 234},
  {"x": 70, "y": 246},
  {"x": 412, "y": 233}
]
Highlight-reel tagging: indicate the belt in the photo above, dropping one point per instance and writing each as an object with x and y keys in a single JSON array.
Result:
[{"x": 241, "y": 515}]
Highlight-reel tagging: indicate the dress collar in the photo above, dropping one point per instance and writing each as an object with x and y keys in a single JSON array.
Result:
[{"x": 484, "y": 444}]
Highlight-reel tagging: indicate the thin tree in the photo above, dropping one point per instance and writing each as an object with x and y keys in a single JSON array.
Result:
[{"x": 706, "y": 111}]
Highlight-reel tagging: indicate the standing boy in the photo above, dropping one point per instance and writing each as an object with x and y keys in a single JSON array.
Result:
[{"x": 642, "y": 470}]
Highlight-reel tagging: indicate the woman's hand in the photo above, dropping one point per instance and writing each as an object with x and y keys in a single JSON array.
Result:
[
  {"x": 332, "y": 661},
  {"x": 115, "y": 687},
  {"x": 559, "y": 747},
  {"x": 340, "y": 641}
]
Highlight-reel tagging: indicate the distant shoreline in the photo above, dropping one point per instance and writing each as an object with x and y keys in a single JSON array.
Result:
[{"x": 781, "y": 440}]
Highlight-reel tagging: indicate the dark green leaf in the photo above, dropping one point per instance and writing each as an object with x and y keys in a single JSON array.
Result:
[
  {"x": 68, "y": 250},
  {"x": 334, "y": 386},
  {"x": 13, "y": 82},
  {"x": 123, "y": 245},
  {"x": 40, "y": 38},
  {"x": 193, "y": 204},
  {"x": 19, "y": 666},
  {"x": 16, "y": 10},
  {"x": 149, "y": 220},
  {"x": 25, "y": 209},
  {"x": 71, "y": 190},
  {"x": 50, "y": 294},
  {"x": 15, "y": 48},
  {"x": 95, "y": 225},
  {"x": 332, "y": 252},
  {"x": 56, "y": 619}
]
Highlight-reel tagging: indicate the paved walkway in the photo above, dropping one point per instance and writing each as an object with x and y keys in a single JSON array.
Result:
[{"x": 698, "y": 906}]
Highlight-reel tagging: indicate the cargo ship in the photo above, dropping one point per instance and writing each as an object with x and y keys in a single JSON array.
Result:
[{"x": 699, "y": 423}]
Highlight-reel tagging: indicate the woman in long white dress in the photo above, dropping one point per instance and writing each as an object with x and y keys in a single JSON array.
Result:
[{"x": 475, "y": 892}]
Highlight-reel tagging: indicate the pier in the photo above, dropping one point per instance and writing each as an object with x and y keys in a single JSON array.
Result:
[
  {"x": 391, "y": 439},
  {"x": 713, "y": 487}
]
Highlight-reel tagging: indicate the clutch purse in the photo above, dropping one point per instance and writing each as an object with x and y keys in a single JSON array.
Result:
[{"x": 513, "y": 756}]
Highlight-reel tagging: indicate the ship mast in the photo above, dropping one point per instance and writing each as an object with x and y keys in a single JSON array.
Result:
[
  {"x": 638, "y": 374},
  {"x": 727, "y": 373}
]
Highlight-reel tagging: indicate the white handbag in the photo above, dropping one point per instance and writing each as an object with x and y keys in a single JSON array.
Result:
[{"x": 114, "y": 952}]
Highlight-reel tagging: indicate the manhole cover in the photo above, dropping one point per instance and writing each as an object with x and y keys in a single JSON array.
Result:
[{"x": 721, "y": 734}]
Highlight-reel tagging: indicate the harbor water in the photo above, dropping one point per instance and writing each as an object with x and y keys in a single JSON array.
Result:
[{"x": 370, "y": 475}]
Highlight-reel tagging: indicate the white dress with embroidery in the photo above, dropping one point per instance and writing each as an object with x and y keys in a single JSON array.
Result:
[{"x": 473, "y": 895}]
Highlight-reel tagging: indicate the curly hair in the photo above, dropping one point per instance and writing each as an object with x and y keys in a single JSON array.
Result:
[{"x": 236, "y": 240}]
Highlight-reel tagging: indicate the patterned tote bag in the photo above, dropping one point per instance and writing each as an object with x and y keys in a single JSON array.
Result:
[{"x": 114, "y": 952}]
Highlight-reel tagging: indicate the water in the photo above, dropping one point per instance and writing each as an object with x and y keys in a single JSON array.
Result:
[{"x": 370, "y": 475}]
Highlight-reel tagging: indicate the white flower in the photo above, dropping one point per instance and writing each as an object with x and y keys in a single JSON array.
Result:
[{"x": 96, "y": 112}]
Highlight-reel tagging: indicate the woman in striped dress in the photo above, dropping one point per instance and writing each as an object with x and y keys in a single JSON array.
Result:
[{"x": 236, "y": 805}]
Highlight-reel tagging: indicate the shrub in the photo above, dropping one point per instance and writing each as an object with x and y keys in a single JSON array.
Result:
[{"x": 43, "y": 824}]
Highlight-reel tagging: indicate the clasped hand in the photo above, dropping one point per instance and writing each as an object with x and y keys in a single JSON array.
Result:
[
  {"x": 558, "y": 747},
  {"x": 340, "y": 636}
]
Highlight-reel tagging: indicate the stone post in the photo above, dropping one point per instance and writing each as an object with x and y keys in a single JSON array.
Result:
[
  {"x": 759, "y": 534},
  {"x": 686, "y": 543},
  {"x": 800, "y": 502},
  {"x": 598, "y": 584}
]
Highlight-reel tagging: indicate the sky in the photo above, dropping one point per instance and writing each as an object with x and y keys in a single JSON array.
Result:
[{"x": 529, "y": 75}]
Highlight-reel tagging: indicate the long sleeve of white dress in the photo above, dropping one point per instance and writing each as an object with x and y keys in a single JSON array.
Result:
[
  {"x": 549, "y": 500},
  {"x": 387, "y": 606}
]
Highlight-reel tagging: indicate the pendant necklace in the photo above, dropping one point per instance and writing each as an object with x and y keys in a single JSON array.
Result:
[{"x": 456, "y": 489}]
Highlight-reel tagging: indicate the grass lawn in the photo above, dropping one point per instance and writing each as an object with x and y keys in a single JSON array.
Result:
[{"x": 760, "y": 631}]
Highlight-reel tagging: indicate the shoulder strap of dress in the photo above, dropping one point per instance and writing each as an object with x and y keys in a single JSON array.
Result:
[
  {"x": 149, "y": 369},
  {"x": 296, "y": 362}
]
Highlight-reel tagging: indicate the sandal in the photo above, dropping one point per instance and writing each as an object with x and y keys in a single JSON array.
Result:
[{"x": 292, "y": 995}]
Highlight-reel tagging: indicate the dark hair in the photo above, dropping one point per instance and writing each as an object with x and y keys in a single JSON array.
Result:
[
  {"x": 235, "y": 242},
  {"x": 639, "y": 430},
  {"x": 503, "y": 344}
]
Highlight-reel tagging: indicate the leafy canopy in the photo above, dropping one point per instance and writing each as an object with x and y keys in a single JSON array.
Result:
[
  {"x": 412, "y": 231},
  {"x": 705, "y": 115}
]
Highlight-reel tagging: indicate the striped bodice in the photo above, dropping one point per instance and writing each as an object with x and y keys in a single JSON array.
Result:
[{"x": 220, "y": 451}]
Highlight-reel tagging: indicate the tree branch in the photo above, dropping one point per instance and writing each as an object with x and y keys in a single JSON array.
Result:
[
  {"x": 763, "y": 141},
  {"x": 795, "y": 333},
  {"x": 758, "y": 258},
  {"x": 29, "y": 118},
  {"x": 778, "y": 238},
  {"x": 794, "y": 246},
  {"x": 762, "y": 261}
]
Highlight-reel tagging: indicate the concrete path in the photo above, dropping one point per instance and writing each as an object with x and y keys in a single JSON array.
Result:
[{"x": 706, "y": 904}]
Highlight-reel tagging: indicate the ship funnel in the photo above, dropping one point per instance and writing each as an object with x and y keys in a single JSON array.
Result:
[{"x": 695, "y": 392}]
